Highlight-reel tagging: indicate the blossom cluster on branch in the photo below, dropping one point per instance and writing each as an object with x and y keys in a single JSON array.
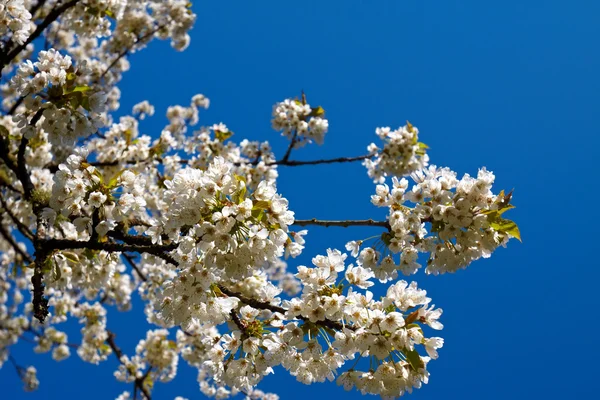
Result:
[{"x": 95, "y": 212}]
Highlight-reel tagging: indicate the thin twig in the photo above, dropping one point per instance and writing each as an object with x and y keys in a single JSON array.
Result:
[
  {"x": 344, "y": 224},
  {"x": 293, "y": 163},
  {"x": 135, "y": 267},
  {"x": 50, "y": 18},
  {"x": 127, "y": 50},
  {"x": 65, "y": 244},
  {"x": 139, "y": 382},
  {"x": 286, "y": 156},
  {"x": 20, "y": 225},
  {"x": 22, "y": 173},
  {"x": 14, "y": 107},
  {"x": 261, "y": 305},
  {"x": 8, "y": 237}
]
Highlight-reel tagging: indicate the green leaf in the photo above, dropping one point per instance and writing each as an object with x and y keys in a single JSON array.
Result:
[
  {"x": 76, "y": 99},
  {"x": 85, "y": 103},
  {"x": 223, "y": 136},
  {"x": 507, "y": 226},
  {"x": 261, "y": 205},
  {"x": 495, "y": 214},
  {"x": 258, "y": 214},
  {"x": 74, "y": 258},
  {"x": 317, "y": 111},
  {"x": 239, "y": 178},
  {"x": 109, "y": 13},
  {"x": 422, "y": 145},
  {"x": 413, "y": 325},
  {"x": 239, "y": 196},
  {"x": 56, "y": 272},
  {"x": 390, "y": 308},
  {"x": 413, "y": 358},
  {"x": 114, "y": 180},
  {"x": 77, "y": 89}
]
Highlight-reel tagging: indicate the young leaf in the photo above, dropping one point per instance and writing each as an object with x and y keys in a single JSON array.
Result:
[
  {"x": 223, "y": 136},
  {"x": 507, "y": 226},
  {"x": 413, "y": 358},
  {"x": 317, "y": 111}
]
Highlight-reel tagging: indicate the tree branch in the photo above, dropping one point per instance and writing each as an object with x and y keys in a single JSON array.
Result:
[
  {"x": 139, "y": 382},
  {"x": 14, "y": 107},
  {"x": 8, "y": 237},
  {"x": 344, "y": 224},
  {"x": 127, "y": 50},
  {"x": 9, "y": 55},
  {"x": 22, "y": 173},
  {"x": 293, "y": 163},
  {"x": 135, "y": 267},
  {"x": 20, "y": 225},
  {"x": 65, "y": 244},
  {"x": 261, "y": 305},
  {"x": 286, "y": 156},
  {"x": 36, "y": 7}
]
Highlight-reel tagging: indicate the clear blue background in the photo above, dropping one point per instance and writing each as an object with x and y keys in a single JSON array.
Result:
[{"x": 510, "y": 85}]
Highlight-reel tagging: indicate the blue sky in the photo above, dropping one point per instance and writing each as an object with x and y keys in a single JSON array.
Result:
[{"x": 495, "y": 84}]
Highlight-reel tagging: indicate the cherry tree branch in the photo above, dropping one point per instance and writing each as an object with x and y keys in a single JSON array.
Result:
[
  {"x": 236, "y": 320},
  {"x": 14, "y": 107},
  {"x": 20, "y": 225},
  {"x": 130, "y": 260},
  {"x": 9, "y": 55},
  {"x": 282, "y": 162},
  {"x": 344, "y": 224},
  {"x": 127, "y": 50},
  {"x": 36, "y": 7},
  {"x": 139, "y": 382},
  {"x": 65, "y": 244},
  {"x": 286, "y": 156},
  {"x": 5, "y": 156},
  {"x": 259, "y": 305},
  {"x": 8, "y": 237},
  {"x": 22, "y": 173},
  {"x": 262, "y": 305},
  {"x": 294, "y": 163}
]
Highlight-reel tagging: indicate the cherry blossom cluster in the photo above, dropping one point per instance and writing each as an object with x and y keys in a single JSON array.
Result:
[
  {"x": 316, "y": 334},
  {"x": 54, "y": 340},
  {"x": 15, "y": 18},
  {"x": 253, "y": 160},
  {"x": 401, "y": 155},
  {"x": 300, "y": 122},
  {"x": 92, "y": 18},
  {"x": 160, "y": 354},
  {"x": 122, "y": 143},
  {"x": 95, "y": 212},
  {"x": 50, "y": 88},
  {"x": 93, "y": 348},
  {"x": 454, "y": 221},
  {"x": 29, "y": 378},
  {"x": 199, "y": 347},
  {"x": 143, "y": 109},
  {"x": 231, "y": 233}
]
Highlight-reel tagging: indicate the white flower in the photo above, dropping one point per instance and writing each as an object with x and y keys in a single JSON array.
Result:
[
  {"x": 96, "y": 199},
  {"x": 97, "y": 102},
  {"x": 431, "y": 346}
]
